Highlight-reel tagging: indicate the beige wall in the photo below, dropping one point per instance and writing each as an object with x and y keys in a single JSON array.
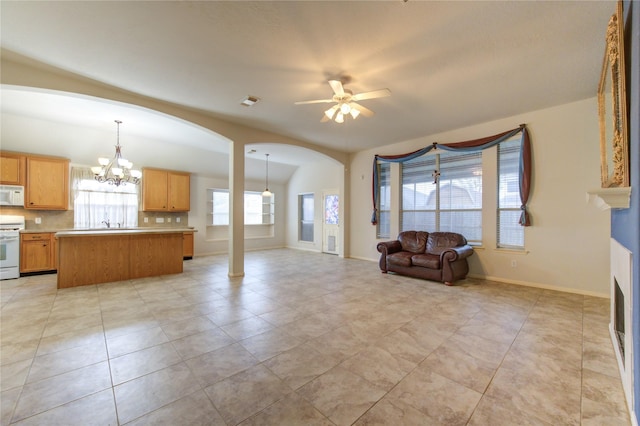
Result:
[{"x": 568, "y": 245}]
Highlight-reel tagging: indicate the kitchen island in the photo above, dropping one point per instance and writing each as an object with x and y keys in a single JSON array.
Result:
[{"x": 88, "y": 257}]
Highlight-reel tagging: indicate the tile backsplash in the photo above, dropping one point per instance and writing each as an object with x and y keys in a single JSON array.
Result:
[{"x": 54, "y": 219}]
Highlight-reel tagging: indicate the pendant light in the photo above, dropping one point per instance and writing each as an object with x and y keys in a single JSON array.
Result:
[
  {"x": 117, "y": 171},
  {"x": 266, "y": 192}
]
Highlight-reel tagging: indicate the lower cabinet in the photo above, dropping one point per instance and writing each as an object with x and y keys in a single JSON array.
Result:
[
  {"x": 187, "y": 245},
  {"x": 37, "y": 252}
]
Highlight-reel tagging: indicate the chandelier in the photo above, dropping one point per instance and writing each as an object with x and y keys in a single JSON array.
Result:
[
  {"x": 266, "y": 192},
  {"x": 117, "y": 171}
]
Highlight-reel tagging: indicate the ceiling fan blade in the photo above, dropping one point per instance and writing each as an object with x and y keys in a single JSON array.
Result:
[
  {"x": 372, "y": 95},
  {"x": 324, "y": 118},
  {"x": 363, "y": 110},
  {"x": 336, "y": 85},
  {"x": 316, "y": 101}
]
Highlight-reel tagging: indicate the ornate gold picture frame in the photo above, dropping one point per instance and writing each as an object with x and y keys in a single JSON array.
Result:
[{"x": 612, "y": 109}]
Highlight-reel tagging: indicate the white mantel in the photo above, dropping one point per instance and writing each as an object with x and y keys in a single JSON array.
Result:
[{"x": 610, "y": 198}]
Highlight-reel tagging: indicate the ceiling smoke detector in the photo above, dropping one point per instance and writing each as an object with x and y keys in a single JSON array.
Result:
[{"x": 249, "y": 101}]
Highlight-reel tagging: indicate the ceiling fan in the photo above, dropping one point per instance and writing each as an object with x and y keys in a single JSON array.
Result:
[{"x": 346, "y": 102}]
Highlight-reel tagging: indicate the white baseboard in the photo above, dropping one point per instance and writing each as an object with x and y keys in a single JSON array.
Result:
[{"x": 540, "y": 285}]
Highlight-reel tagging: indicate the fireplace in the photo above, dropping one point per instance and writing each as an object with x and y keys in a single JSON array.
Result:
[
  {"x": 621, "y": 325},
  {"x": 618, "y": 317}
]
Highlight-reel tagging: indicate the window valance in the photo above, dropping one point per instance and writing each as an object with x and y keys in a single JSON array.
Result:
[{"x": 470, "y": 145}]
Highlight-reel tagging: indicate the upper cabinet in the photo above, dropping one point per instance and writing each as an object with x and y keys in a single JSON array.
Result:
[
  {"x": 12, "y": 168},
  {"x": 47, "y": 183},
  {"x": 165, "y": 190}
]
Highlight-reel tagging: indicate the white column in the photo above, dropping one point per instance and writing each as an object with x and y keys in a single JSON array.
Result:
[
  {"x": 236, "y": 209},
  {"x": 344, "y": 249}
]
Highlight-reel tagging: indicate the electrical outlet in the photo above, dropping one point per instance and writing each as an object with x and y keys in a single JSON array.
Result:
[
  {"x": 514, "y": 263},
  {"x": 159, "y": 219},
  {"x": 146, "y": 220},
  {"x": 177, "y": 220},
  {"x": 168, "y": 220},
  {"x": 38, "y": 220}
]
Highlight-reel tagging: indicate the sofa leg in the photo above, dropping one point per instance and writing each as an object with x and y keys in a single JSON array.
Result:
[
  {"x": 384, "y": 272},
  {"x": 449, "y": 283}
]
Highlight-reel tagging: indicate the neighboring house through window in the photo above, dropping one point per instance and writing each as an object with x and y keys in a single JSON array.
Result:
[{"x": 443, "y": 192}]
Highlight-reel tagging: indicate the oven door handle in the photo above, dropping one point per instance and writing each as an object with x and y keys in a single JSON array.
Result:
[{"x": 7, "y": 239}]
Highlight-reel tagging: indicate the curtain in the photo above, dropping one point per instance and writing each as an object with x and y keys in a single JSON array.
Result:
[
  {"x": 470, "y": 145},
  {"x": 95, "y": 204}
]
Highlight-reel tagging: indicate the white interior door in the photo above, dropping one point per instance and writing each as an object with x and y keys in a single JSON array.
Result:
[{"x": 330, "y": 223}]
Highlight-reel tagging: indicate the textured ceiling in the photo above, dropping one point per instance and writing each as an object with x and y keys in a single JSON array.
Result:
[{"x": 448, "y": 64}]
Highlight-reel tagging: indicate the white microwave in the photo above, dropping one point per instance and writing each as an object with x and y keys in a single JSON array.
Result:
[{"x": 11, "y": 195}]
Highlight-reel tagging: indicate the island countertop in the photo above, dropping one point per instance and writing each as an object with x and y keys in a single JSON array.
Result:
[{"x": 120, "y": 231}]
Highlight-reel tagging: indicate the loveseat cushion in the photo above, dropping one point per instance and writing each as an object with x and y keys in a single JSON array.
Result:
[
  {"x": 441, "y": 241},
  {"x": 431, "y": 261},
  {"x": 401, "y": 258},
  {"x": 413, "y": 241}
]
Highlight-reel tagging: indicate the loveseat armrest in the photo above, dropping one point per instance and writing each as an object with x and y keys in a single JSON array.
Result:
[
  {"x": 386, "y": 248},
  {"x": 455, "y": 253},
  {"x": 454, "y": 263}
]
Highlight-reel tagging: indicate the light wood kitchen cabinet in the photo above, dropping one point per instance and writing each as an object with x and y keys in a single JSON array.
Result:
[
  {"x": 47, "y": 183},
  {"x": 187, "y": 245},
  {"x": 100, "y": 257},
  {"x": 179, "y": 192},
  {"x": 12, "y": 168},
  {"x": 165, "y": 190},
  {"x": 37, "y": 252}
]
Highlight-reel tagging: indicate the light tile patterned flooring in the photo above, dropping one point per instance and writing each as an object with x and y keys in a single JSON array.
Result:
[{"x": 303, "y": 339}]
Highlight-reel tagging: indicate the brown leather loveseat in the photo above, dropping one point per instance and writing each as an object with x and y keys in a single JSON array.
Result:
[{"x": 436, "y": 256}]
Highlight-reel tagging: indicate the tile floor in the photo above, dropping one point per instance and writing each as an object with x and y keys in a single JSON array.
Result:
[{"x": 303, "y": 339}]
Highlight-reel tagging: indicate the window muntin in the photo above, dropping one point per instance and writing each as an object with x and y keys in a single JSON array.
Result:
[
  {"x": 452, "y": 202},
  {"x": 384, "y": 200},
  {"x": 306, "y": 215},
  {"x": 510, "y": 234}
]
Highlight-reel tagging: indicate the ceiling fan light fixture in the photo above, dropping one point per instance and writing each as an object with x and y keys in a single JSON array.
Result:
[
  {"x": 331, "y": 111},
  {"x": 346, "y": 102}
]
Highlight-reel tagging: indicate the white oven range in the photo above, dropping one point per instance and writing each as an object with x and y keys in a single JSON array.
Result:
[{"x": 10, "y": 227}]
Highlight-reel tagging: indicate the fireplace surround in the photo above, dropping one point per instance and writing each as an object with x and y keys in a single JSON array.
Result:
[{"x": 621, "y": 325}]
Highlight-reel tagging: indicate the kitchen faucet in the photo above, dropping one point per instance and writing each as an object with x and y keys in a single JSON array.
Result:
[{"x": 107, "y": 222}]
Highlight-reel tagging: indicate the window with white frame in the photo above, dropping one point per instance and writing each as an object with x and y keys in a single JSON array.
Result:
[
  {"x": 384, "y": 200},
  {"x": 258, "y": 210},
  {"x": 306, "y": 216},
  {"x": 443, "y": 192},
  {"x": 100, "y": 205},
  {"x": 510, "y": 234}
]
